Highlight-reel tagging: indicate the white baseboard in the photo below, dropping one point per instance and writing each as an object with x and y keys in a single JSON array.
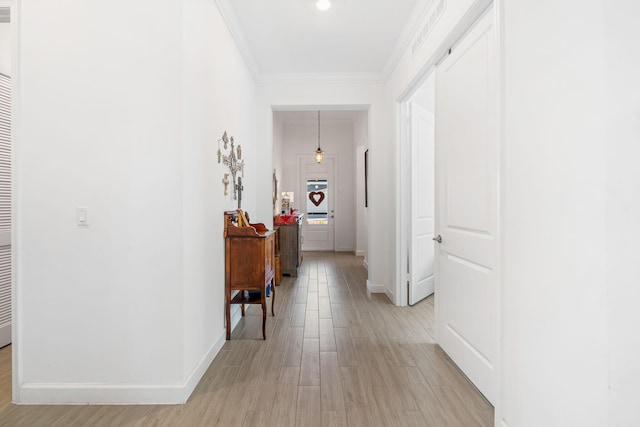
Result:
[
  {"x": 381, "y": 289},
  {"x": 360, "y": 253},
  {"x": 200, "y": 369},
  {"x": 5, "y": 335},
  {"x": 391, "y": 296},
  {"x": 236, "y": 316},
  {"x": 376, "y": 289},
  {"x": 118, "y": 394},
  {"x": 98, "y": 394},
  {"x": 365, "y": 264}
]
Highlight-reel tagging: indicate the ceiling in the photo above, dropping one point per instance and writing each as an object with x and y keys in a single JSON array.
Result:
[{"x": 291, "y": 38}]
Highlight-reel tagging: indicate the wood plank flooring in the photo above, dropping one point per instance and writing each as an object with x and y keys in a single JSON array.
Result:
[{"x": 334, "y": 356}]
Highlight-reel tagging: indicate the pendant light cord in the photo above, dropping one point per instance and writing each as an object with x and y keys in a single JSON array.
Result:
[{"x": 318, "y": 129}]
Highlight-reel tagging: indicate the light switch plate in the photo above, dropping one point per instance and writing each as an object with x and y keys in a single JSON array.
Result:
[{"x": 82, "y": 216}]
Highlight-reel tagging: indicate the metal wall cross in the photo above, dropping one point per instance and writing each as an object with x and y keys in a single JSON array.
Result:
[{"x": 235, "y": 165}]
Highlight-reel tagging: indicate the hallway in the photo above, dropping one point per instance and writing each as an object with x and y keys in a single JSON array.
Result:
[{"x": 334, "y": 356}]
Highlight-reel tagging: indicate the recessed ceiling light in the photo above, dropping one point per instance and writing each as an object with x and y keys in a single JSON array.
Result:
[{"x": 323, "y": 5}]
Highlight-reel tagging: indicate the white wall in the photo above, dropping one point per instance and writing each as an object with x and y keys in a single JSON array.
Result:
[
  {"x": 98, "y": 305},
  {"x": 555, "y": 290},
  {"x": 306, "y": 95},
  {"x": 361, "y": 139},
  {"x": 622, "y": 116},
  {"x": 5, "y": 48},
  {"x": 301, "y": 139},
  {"x": 278, "y": 156},
  {"x": 213, "y": 70},
  {"x": 123, "y": 120}
]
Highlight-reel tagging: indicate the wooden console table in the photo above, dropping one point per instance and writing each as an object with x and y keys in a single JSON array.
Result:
[
  {"x": 290, "y": 234},
  {"x": 249, "y": 266}
]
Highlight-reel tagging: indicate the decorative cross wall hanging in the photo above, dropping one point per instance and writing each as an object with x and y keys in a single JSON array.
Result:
[{"x": 235, "y": 164}]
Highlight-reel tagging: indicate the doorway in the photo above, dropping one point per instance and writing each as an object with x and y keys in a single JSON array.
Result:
[
  {"x": 417, "y": 192},
  {"x": 338, "y": 222},
  {"x": 6, "y": 297},
  {"x": 5, "y": 177},
  {"x": 317, "y": 187},
  {"x": 467, "y": 208}
]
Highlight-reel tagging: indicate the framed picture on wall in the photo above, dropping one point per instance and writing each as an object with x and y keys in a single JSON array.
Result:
[{"x": 366, "y": 178}]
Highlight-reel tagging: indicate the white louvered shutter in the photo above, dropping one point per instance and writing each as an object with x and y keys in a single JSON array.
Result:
[{"x": 5, "y": 210}]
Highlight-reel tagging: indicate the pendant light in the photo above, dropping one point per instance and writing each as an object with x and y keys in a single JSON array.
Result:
[
  {"x": 323, "y": 5},
  {"x": 319, "y": 152}
]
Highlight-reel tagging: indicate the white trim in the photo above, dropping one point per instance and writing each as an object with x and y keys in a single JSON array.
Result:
[
  {"x": 236, "y": 316},
  {"x": 501, "y": 397},
  {"x": 381, "y": 289},
  {"x": 365, "y": 264},
  {"x": 360, "y": 252},
  {"x": 416, "y": 17},
  {"x": 5, "y": 333},
  {"x": 376, "y": 289},
  {"x": 119, "y": 394},
  {"x": 200, "y": 369},
  {"x": 344, "y": 249},
  {"x": 458, "y": 30},
  {"x": 230, "y": 18},
  {"x": 403, "y": 207},
  {"x": 392, "y": 296},
  {"x": 17, "y": 373}
]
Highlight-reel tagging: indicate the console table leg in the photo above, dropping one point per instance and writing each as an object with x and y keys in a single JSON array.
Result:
[
  {"x": 273, "y": 295},
  {"x": 228, "y": 315},
  {"x": 264, "y": 318}
]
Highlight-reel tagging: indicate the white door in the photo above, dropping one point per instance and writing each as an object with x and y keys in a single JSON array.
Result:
[
  {"x": 5, "y": 210},
  {"x": 421, "y": 282},
  {"x": 317, "y": 191},
  {"x": 467, "y": 147}
]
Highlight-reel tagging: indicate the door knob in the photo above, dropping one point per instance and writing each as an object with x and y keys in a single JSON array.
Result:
[{"x": 438, "y": 238}]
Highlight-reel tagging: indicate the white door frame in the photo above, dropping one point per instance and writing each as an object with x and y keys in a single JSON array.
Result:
[
  {"x": 403, "y": 205},
  {"x": 16, "y": 345},
  {"x": 403, "y": 199}
]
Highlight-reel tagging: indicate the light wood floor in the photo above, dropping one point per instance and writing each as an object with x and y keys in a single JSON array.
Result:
[{"x": 334, "y": 356}]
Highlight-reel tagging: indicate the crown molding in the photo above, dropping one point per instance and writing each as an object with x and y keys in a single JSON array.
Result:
[
  {"x": 416, "y": 17},
  {"x": 230, "y": 18}
]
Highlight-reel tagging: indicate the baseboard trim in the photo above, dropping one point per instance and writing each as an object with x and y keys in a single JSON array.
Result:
[
  {"x": 236, "y": 316},
  {"x": 360, "y": 253},
  {"x": 365, "y": 263},
  {"x": 376, "y": 289},
  {"x": 100, "y": 394},
  {"x": 5, "y": 335},
  {"x": 391, "y": 296},
  {"x": 381, "y": 289},
  {"x": 201, "y": 368},
  {"x": 119, "y": 394}
]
